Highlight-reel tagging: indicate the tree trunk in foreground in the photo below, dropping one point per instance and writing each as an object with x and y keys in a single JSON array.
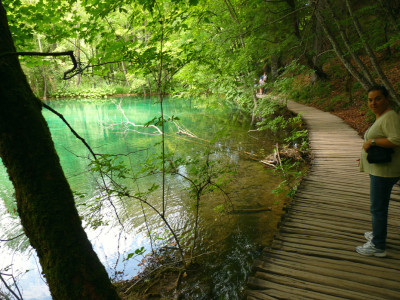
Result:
[{"x": 44, "y": 199}]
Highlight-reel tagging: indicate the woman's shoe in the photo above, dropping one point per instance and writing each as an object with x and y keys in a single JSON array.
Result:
[
  {"x": 368, "y": 249},
  {"x": 368, "y": 235}
]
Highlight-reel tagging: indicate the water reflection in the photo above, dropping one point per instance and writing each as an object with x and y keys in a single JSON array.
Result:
[{"x": 235, "y": 238}]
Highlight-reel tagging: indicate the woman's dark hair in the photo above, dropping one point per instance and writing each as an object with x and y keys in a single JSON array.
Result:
[{"x": 378, "y": 87}]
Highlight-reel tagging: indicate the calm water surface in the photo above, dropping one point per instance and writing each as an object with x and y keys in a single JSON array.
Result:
[{"x": 228, "y": 242}]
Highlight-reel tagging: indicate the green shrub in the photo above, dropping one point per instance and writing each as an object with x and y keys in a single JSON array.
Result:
[
  {"x": 356, "y": 86},
  {"x": 84, "y": 92},
  {"x": 321, "y": 89},
  {"x": 119, "y": 89}
]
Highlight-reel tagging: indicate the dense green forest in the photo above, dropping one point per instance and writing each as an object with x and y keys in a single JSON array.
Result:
[
  {"x": 310, "y": 50},
  {"x": 201, "y": 46}
]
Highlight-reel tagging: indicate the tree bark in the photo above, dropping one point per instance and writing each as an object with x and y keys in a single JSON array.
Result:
[
  {"x": 386, "y": 5},
  {"x": 317, "y": 46},
  {"x": 123, "y": 64},
  {"x": 112, "y": 80},
  {"x": 372, "y": 57},
  {"x": 346, "y": 41},
  {"x": 235, "y": 18},
  {"x": 275, "y": 64},
  {"x": 336, "y": 47},
  {"x": 44, "y": 199},
  {"x": 43, "y": 71},
  {"x": 149, "y": 84},
  {"x": 78, "y": 58},
  {"x": 312, "y": 61},
  {"x": 253, "y": 113}
]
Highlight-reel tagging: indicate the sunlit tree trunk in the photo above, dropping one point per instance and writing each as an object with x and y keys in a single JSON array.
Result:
[
  {"x": 123, "y": 64},
  {"x": 253, "y": 114},
  {"x": 144, "y": 89},
  {"x": 111, "y": 77},
  {"x": 44, "y": 199},
  {"x": 43, "y": 71},
  {"x": 149, "y": 84},
  {"x": 78, "y": 58},
  {"x": 146, "y": 35}
]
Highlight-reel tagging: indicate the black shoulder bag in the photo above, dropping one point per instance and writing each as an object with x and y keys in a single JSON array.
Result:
[{"x": 379, "y": 155}]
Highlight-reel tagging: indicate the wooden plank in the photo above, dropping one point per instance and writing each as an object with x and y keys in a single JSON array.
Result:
[
  {"x": 324, "y": 221},
  {"x": 348, "y": 275},
  {"x": 331, "y": 281},
  {"x": 350, "y": 251},
  {"x": 388, "y": 262},
  {"x": 328, "y": 215},
  {"x": 303, "y": 209},
  {"x": 322, "y": 205},
  {"x": 337, "y": 235},
  {"x": 339, "y": 180},
  {"x": 258, "y": 295},
  {"x": 344, "y": 231},
  {"x": 335, "y": 264},
  {"x": 295, "y": 294},
  {"x": 285, "y": 291},
  {"x": 356, "y": 226},
  {"x": 322, "y": 242},
  {"x": 328, "y": 192},
  {"x": 304, "y": 238},
  {"x": 328, "y": 204}
]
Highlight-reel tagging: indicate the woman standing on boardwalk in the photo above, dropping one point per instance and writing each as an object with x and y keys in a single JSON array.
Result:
[{"x": 384, "y": 133}]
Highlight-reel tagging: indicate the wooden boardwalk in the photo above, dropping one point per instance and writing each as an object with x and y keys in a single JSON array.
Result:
[{"x": 313, "y": 255}]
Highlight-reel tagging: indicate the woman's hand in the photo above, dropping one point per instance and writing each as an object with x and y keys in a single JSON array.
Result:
[
  {"x": 367, "y": 145},
  {"x": 381, "y": 142}
]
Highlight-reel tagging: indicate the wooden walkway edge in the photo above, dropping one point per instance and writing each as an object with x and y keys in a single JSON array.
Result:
[{"x": 313, "y": 255}]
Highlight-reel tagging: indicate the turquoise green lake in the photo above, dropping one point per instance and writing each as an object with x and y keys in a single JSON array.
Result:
[{"x": 227, "y": 243}]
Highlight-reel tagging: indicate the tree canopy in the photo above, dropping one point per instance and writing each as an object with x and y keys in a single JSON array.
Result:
[{"x": 230, "y": 42}]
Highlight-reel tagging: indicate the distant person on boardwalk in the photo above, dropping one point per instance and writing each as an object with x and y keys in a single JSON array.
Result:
[
  {"x": 261, "y": 83},
  {"x": 384, "y": 133},
  {"x": 264, "y": 78}
]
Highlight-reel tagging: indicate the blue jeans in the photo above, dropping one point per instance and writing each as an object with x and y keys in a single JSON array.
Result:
[{"x": 380, "y": 190}]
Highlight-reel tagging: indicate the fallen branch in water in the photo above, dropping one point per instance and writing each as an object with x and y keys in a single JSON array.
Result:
[
  {"x": 277, "y": 153},
  {"x": 275, "y": 159},
  {"x": 250, "y": 210}
]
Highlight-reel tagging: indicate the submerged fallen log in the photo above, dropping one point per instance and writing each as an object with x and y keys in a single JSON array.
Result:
[{"x": 249, "y": 210}]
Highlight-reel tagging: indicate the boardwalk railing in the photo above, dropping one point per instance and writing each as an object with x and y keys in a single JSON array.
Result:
[{"x": 313, "y": 255}]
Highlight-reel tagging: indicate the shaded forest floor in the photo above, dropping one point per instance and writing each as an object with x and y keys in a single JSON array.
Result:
[{"x": 340, "y": 94}]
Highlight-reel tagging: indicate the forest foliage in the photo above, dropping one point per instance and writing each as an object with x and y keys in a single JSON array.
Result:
[
  {"x": 200, "y": 47},
  {"x": 216, "y": 47}
]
